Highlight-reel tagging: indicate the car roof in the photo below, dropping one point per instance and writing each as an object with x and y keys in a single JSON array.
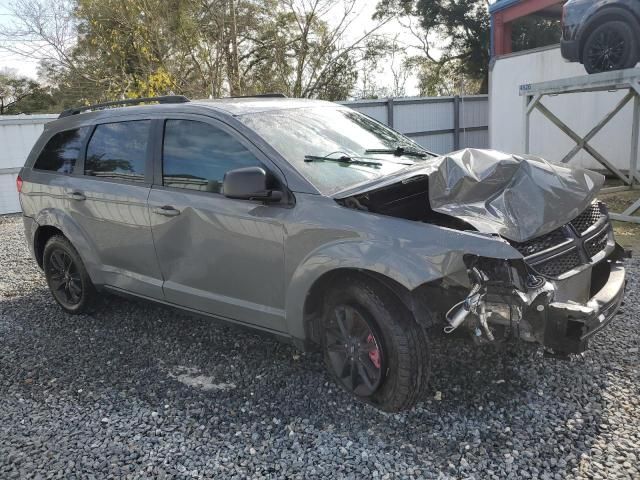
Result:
[
  {"x": 241, "y": 106},
  {"x": 221, "y": 107}
]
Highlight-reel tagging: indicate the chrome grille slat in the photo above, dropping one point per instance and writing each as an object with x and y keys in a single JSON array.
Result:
[{"x": 545, "y": 242}]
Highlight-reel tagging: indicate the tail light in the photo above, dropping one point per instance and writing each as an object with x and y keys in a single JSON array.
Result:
[{"x": 19, "y": 184}]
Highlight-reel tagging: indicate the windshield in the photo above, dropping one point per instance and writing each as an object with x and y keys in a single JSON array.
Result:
[{"x": 333, "y": 132}]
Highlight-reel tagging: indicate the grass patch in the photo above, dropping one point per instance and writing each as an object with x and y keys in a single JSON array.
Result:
[{"x": 627, "y": 234}]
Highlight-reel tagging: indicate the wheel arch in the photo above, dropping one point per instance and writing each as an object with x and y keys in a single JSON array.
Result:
[
  {"x": 399, "y": 270},
  {"x": 52, "y": 222},
  {"x": 608, "y": 13},
  {"x": 417, "y": 301},
  {"x": 40, "y": 238}
]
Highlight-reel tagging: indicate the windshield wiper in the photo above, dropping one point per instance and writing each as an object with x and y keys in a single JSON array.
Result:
[
  {"x": 398, "y": 152},
  {"x": 342, "y": 159}
]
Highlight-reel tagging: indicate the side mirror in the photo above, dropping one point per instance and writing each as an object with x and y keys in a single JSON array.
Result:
[{"x": 250, "y": 183}]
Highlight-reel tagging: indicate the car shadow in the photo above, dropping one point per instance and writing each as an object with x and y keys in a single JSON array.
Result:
[{"x": 196, "y": 370}]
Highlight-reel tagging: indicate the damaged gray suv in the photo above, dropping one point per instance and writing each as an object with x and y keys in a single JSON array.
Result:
[{"x": 318, "y": 224}]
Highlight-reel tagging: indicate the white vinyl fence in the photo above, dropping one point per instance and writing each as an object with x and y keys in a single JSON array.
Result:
[
  {"x": 18, "y": 133},
  {"x": 440, "y": 124}
]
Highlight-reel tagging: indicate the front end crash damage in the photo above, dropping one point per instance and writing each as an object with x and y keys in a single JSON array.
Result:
[
  {"x": 509, "y": 299},
  {"x": 569, "y": 282}
]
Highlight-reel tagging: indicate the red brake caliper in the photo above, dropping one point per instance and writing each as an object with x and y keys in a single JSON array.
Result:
[{"x": 374, "y": 355}]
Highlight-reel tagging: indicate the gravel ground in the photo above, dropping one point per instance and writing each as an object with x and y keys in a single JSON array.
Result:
[{"x": 138, "y": 390}]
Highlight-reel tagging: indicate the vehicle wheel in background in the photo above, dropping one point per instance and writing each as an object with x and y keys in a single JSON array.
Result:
[
  {"x": 372, "y": 345},
  {"x": 66, "y": 276},
  {"x": 611, "y": 46}
]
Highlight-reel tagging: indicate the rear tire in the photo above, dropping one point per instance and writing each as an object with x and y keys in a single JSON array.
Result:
[
  {"x": 611, "y": 46},
  {"x": 385, "y": 343},
  {"x": 67, "y": 277}
]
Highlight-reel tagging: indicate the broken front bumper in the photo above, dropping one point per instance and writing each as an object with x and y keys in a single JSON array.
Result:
[
  {"x": 568, "y": 286},
  {"x": 567, "y": 326}
]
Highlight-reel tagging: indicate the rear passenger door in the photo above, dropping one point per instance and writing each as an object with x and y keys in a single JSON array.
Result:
[
  {"x": 217, "y": 255},
  {"x": 49, "y": 179},
  {"x": 108, "y": 199}
]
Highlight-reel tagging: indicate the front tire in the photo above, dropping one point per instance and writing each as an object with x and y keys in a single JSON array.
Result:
[
  {"x": 67, "y": 277},
  {"x": 373, "y": 346},
  {"x": 611, "y": 46}
]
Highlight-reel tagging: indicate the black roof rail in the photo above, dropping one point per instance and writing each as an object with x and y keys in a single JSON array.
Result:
[
  {"x": 131, "y": 101},
  {"x": 261, "y": 95}
]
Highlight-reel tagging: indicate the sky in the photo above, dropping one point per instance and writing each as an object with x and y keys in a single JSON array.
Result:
[
  {"x": 21, "y": 65},
  {"x": 365, "y": 8}
]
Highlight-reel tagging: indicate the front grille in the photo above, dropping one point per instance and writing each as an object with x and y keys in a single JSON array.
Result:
[
  {"x": 560, "y": 264},
  {"x": 589, "y": 217},
  {"x": 597, "y": 244},
  {"x": 562, "y": 250},
  {"x": 544, "y": 242}
]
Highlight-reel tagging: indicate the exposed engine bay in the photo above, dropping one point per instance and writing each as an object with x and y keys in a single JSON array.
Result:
[
  {"x": 570, "y": 281},
  {"x": 408, "y": 199}
]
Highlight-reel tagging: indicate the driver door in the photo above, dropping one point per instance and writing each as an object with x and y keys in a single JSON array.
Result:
[{"x": 217, "y": 255}]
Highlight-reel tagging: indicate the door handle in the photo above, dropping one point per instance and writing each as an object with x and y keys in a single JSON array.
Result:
[
  {"x": 77, "y": 196},
  {"x": 167, "y": 211}
]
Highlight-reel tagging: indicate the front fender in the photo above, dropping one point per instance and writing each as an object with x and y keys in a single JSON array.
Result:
[
  {"x": 410, "y": 264},
  {"x": 76, "y": 235}
]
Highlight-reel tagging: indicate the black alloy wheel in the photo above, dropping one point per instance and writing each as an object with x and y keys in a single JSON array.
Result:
[
  {"x": 373, "y": 346},
  {"x": 66, "y": 276},
  {"x": 611, "y": 46},
  {"x": 354, "y": 351}
]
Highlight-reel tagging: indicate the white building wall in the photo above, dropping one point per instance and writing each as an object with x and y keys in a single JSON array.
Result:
[
  {"x": 8, "y": 196},
  {"x": 18, "y": 133},
  {"x": 580, "y": 111}
]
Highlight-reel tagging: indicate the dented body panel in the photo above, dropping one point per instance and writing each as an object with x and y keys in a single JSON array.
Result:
[
  {"x": 501, "y": 245},
  {"x": 516, "y": 196},
  {"x": 322, "y": 236},
  {"x": 567, "y": 281}
]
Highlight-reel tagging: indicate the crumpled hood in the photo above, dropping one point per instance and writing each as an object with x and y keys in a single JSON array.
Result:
[{"x": 517, "y": 196}]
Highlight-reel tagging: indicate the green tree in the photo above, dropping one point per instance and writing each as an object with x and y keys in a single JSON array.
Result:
[
  {"x": 98, "y": 50},
  {"x": 22, "y": 95},
  {"x": 444, "y": 78},
  {"x": 462, "y": 28}
]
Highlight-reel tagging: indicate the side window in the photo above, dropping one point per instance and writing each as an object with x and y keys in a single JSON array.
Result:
[
  {"x": 61, "y": 151},
  {"x": 118, "y": 150},
  {"x": 196, "y": 155}
]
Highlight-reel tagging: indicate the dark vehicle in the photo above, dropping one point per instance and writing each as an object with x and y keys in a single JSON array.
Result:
[
  {"x": 322, "y": 226},
  {"x": 603, "y": 35}
]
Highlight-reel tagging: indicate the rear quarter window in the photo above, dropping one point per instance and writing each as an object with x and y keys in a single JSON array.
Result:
[
  {"x": 61, "y": 151},
  {"x": 118, "y": 150}
]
